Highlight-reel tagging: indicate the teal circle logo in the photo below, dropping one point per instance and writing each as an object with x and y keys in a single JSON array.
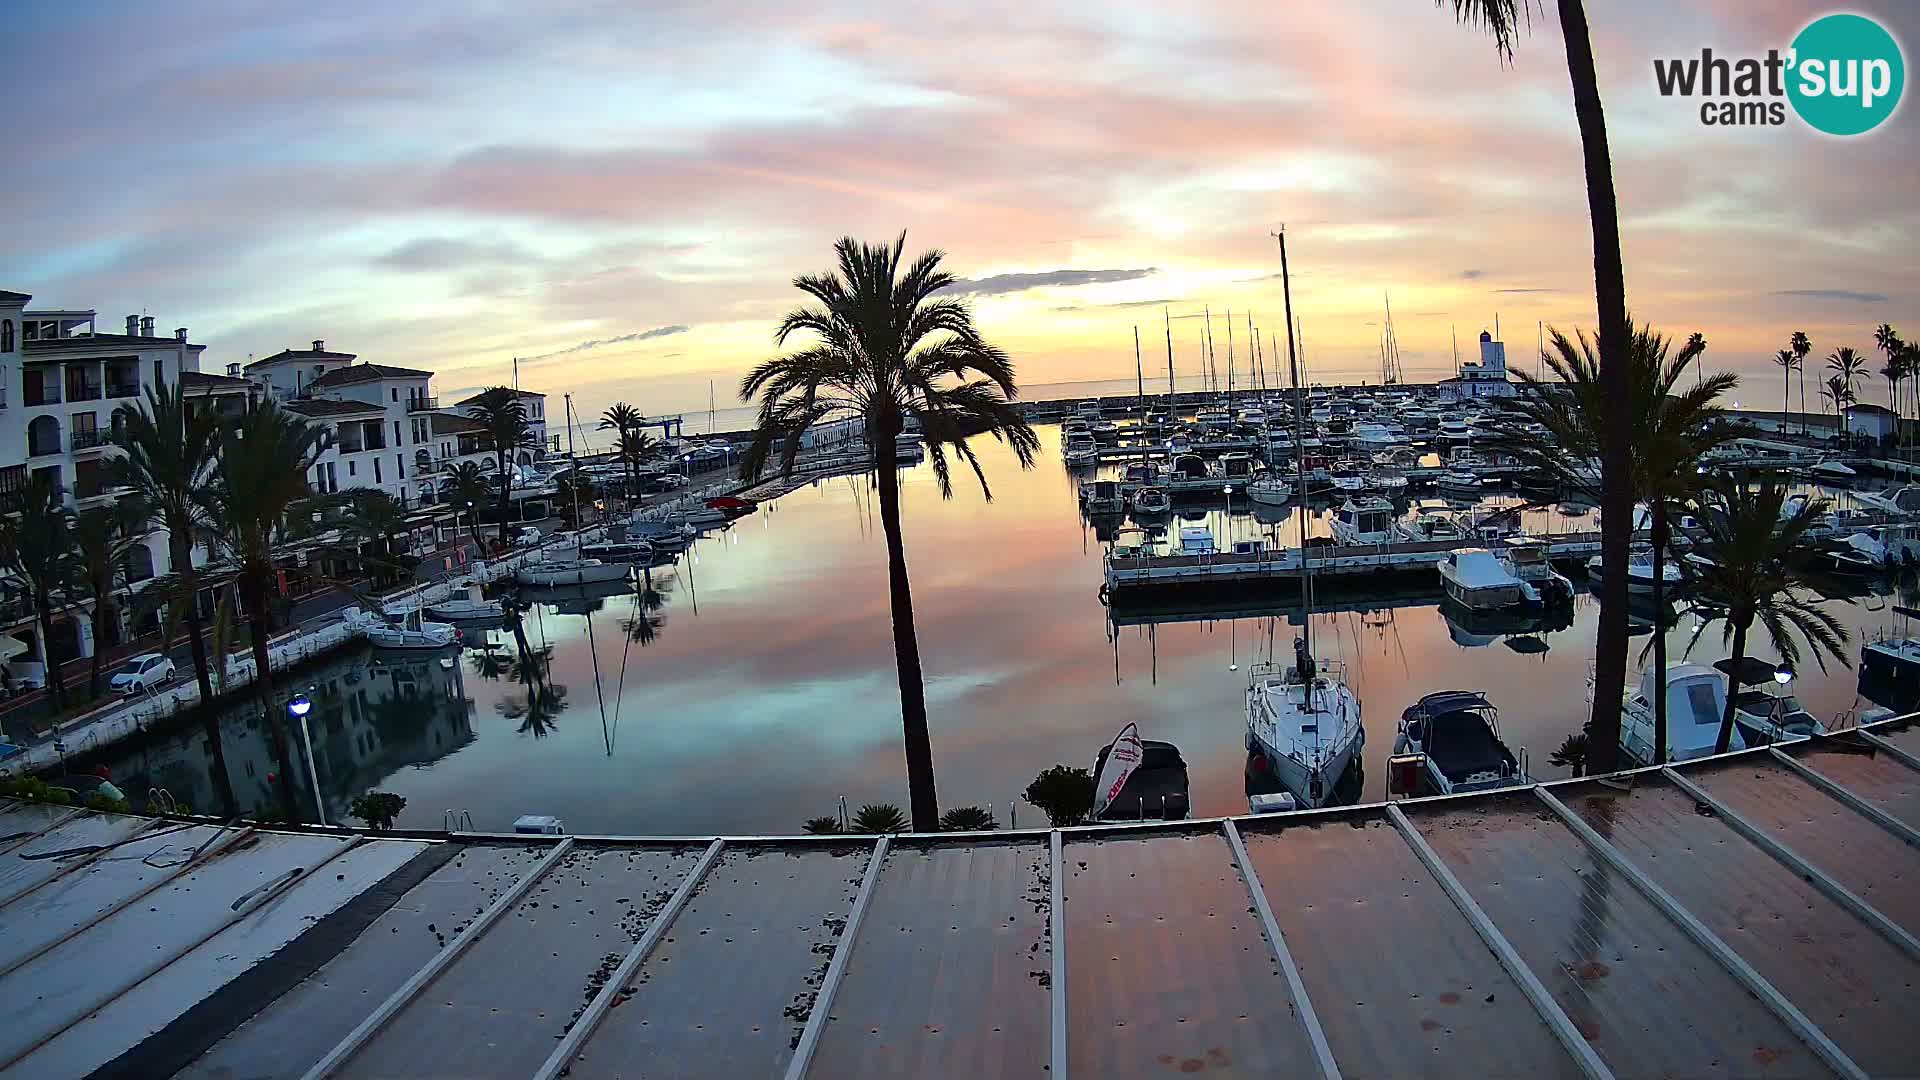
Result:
[{"x": 1847, "y": 74}]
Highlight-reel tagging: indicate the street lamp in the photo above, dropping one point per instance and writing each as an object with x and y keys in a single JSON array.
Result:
[
  {"x": 298, "y": 708},
  {"x": 1783, "y": 675}
]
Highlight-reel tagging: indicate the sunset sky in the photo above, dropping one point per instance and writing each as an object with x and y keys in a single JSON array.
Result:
[{"x": 620, "y": 193}]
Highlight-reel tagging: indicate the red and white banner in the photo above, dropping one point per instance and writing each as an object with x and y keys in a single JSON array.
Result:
[{"x": 1123, "y": 756}]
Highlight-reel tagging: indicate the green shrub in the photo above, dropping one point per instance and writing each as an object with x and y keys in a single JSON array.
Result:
[
  {"x": 1064, "y": 794},
  {"x": 377, "y": 808},
  {"x": 879, "y": 818},
  {"x": 968, "y": 819}
]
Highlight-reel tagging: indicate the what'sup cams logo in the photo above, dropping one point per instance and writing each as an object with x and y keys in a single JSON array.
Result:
[{"x": 1843, "y": 75}]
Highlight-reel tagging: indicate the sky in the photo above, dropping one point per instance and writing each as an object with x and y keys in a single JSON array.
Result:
[{"x": 620, "y": 194}]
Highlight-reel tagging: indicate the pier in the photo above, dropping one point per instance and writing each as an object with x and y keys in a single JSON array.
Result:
[{"x": 1251, "y": 571}]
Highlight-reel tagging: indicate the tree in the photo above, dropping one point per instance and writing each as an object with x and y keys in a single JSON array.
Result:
[
  {"x": 167, "y": 461},
  {"x": 500, "y": 412},
  {"x": 1887, "y": 340},
  {"x": 888, "y": 349},
  {"x": 821, "y": 826},
  {"x": 36, "y": 551},
  {"x": 1759, "y": 572},
  {"x": 1501, "y": 19},
  {"x": 377, "y": 524},
  {"x": 470, "y": 486},
  {"x": 1572, "y": 754},
  {"x": 574, "y": 492},
  {"x": 968, "y": 819},
  {"x": 1556, "y": 429},
  {"x": 1786, "y": 361},
  {"x": 1849, "y": 367},
  {"x": 623, "y": 419},
  {"x": 102, "y": 536},
  {"x": 377, "y": 809},
  {"x": 259, "y": 477},
  {"x": 1063, "y": 793},
  {"x": 1802, "y": 346},
  {"x": 876, "y": 818}
]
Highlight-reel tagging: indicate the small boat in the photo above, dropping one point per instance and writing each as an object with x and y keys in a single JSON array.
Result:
[
  {"x": 1476, "y": 580},
  {"x": 399, "y": 629},
  {"x": 1366, "y": 520},
  {"x": 1080, "y": 450},
  {"x": 696, "y": 516},
  {"x": 558, "y": 572},
  {"x": 466, "y": 609},
  {"x": 908, "y": 447},
  {"x": 1132, "y": 542},
  {"x": 1349, "y": 476},
  {"x": 1526, "y": 558},
  {"x": 1213, "y": 419},
  {"x": 1461, "y": 481},
  {"x": 1305, "y": 724},
  {"x": 733, "y": 505},
  {"x": 1767, "y": 714},
  {"x": 1436, "y": 528},
  {"x": 1105, "y": 429},
  {"x": 1696, "y": 701},
  {"x": 1901, "y": 500},
  {"x": 1102, "y": 497},
  {"x": 1388, "y": 480},
  {"x": 1857, "y": 553},
  {"x": 1090, "y": 409},
  {"x": 1196, "y": 540},
  {"x": 1150, "y": 501},
  {"x": 1640, "y": 571},
  {"x": 1236, "y": 466},
  {"x": 1833, "y": 470},
  {"x": 1448, "y": 744},
  {"x": 1188, "y": 467},
  {"x": 1179, "y": 443},
  {"x": 661, "y": 535},
  {"x": 1139, "y": 780},
  {"x": 1269, "y": 489},
  {"x": 626, "y": 551}
]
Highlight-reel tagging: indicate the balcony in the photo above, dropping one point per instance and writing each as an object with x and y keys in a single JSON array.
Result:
[
  {"x": 41, "y": 395},
  {"x": 123, "y": 390},
  {"x": 91, "y": 440},
  {"x": 83, "y": 391},
  {"x": 423, "y": 404},
  {"x": 43, "y": 446}
]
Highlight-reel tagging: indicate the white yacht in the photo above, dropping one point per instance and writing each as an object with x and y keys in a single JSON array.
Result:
[
  {"x": 557, "y": 572},
  {"x": 399, "y": 628},
  {"x": 1196, "y": 540},
  {"x": 1431, "y": 528},
  {"x": 1448, "y": 744},
  {"x": 1476, "y": 580},
  {"x": 1305, "y": 723},
  {"x": 1080, "y": 449},
  {"x": 1365, "y": 520},
  {"x": 1526, "y": 559},
  {"x": 1766, "y": 713},
  {"x": 1901, "y": 500},
  {"x": 1640, "y": 571},
  {"x": 1460, "y": 481},
  {"x": 1349, "y": 476},
  {"x": 1696, "y": 701},
  {"x": 1270, "y": 489},
  {"x": 1213, "y": 419},
  {"x": 619, "y": 551},
  {"x": 466, "y": 609},
  {"x": 1151, "y": 501},
  {"x": 1371, "y": 437},
  {"x": 661, "y": 535}
]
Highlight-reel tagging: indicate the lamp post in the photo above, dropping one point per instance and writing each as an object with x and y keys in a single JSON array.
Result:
[{"x": 298, "y": 708}]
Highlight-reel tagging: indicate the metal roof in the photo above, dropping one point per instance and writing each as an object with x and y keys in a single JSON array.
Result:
[{"x": 1752, "y": 914}]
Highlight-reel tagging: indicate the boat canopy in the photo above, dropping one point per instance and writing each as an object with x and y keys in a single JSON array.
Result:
[
  {"x": 1476, "y": 568},
  {"x": 1449, "y": 701},
  {"x": 1752, "y": 671}
]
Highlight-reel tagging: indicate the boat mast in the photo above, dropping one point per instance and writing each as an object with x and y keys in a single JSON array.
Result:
[
  {"x": 1229, "y": 357},
  {"x": 1300, "y": 466},
  {"x": 1206, "y": 349},
  {"x": 1167, "y": 317},
  {"x": 1253, "y": 343},
  {"x": 573, "y": 464},
  {"x": 1139, "y": 377}
]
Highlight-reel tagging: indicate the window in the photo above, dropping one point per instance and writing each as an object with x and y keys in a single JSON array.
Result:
[
  {"x": 333, "y": 482},
  {"x": 376, "y": 470},
  {"x": 400, "y": 466},
  {"x": 159, "y": 378},
  {"x": 1700, "y": 700},
  {"x": 350, "y": 468},
  {"x": 6, "y": 335},
  {"x": 396, "y": 396},
  {"x": 396, "y": 434}
]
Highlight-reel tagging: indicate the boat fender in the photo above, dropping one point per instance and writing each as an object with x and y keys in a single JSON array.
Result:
[{"x": 1104, "y": 595}]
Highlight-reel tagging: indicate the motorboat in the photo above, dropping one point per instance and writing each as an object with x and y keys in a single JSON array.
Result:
[
  {"x": 1349, "y": 476},
  {"x": 623, "y": 551},
  {"x": 1196, "y": 540},
  {"x": 466, "y": 609},
  {"x": 1151, "y": 501},
  {"x": 1304, "y": 722},
  {"x": 1857, "y": 553},
  {"x": 1763, "y": 712},
  {"x": 1188, "y": 467},
  {"x": 1449, "y": 744},
  {"x": 1487, "y": 525},
  {"x": 1080, "y": 449},
  {"x": 1371, "y": 436},
  {"x": 1892, "y": 660},
  {"x": 1236, "y": 466},
  {"x": 1139, "y": 474},
  {"x": 1832, "y": 469},
  {"x": 909, "y": 447},
  {"x": 1139, "y": 779},
  {"x": 1213, "y": 419},
  {"x": 733, "y": 505},
  {"x": 1179, "y": 443},
  {"x": 399, "y": 628},
  {"x": 1901, "y": 500},
  {"x": 1526, "y": 559},
  {"x": 1389, "y": 480},
  {"x": 1105, "y": 429},
  {"x": 1460, "y": 481},
  {"x": 1365, "y": 520},
  {"x": 695, "y": 514},
  {"x": 1431, "y": 528},
  {"x": 558, "y": 572},
  {"x": 1132, "y": 542},
  {"x": 1454, "y": 432},
  {"x": 1475, "y": 579},
  {"x": 661, "y": 535},
  {"x": 1640, "y": 571},
  {"x": 1102, "y": 497},
  {"x": 1090, "y": 409},
  {"x": 1269, "y": 489},
  {"x": 1696, "y": 703}
]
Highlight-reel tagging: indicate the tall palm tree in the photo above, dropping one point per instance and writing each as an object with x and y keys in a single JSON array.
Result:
[
  {"x": 36, "y": 552},
  {"x": 1849, "y": 367},
  {"x": 1786, "y": 361},
  {"x": 376, "y": 523},
  {"x": 1760, "y": 561},
  {"x": 506, "y": 422},
  {"x": 1502, "y": 19},
  {"x": 622, "y": 419},
  {"x": 1887, "y": 340},
  {"x": 168, "y": 459},
  {"x": 1802, "y": 347},
  {"x": 102, "y": 536},
  {"x": 471, "y": 486},
  {"x": 887, "y": 349},
  {"x": 258, "y": 479},
  {"x": 1672, "y": 431}
]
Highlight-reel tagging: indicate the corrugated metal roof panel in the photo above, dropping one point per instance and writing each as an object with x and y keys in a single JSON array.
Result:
[
  {"x": 1430, "y": 1000},
  {"x": 27, "y": 867},
  {"x": 497, "y": 1011},
  {"x": 1632, "y": 982},
  {"x": 1167, "y": 964},
  {"x": 1875, "y": 777},
  {"x": 725, "y": 992},
  {"x": 1836, "y": 969},
  {"x": 291, "y": 1034},
  {"x": 949, "y": 974}
]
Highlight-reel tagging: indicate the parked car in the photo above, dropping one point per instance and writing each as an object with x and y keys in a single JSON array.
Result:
[
  {"x": 528, "y": 536},
  {"x": 143, "y": 673},
  {"x": 659, "y": 482}
]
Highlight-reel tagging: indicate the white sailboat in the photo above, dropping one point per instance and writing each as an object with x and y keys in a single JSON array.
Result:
[{"x": 1303, "y": 721}]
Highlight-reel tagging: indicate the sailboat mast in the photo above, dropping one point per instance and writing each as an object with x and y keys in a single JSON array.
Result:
[
  {"x": 1139, "y": 376},
  {"x": 1212, "y": 365},
  {"x": 1229, "y": 356},
  {"x": 1167, "y": 318},
  {"x": 573, "y": 463},
  {"x": 1253, "y": 343},
  {"x": 1300, "y": 466}
]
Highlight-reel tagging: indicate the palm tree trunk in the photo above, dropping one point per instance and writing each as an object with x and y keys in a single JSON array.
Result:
[
  {"x": 1803, "y": 398},
  {"x": 1739, "y": 659},
  {"x": 906, "y": 651},
  {"x": 256, "y": 600},
  {"x": 1616, "y": 488},
  {"x": 98, "y": 621},
  {"x": 506, "y": 497},
  {"x": 1786, "y": 397},
  {"x": 182, "y": 555},
  {"x": 1660, "y": 631},
  {"x": 43, "y": 607}
]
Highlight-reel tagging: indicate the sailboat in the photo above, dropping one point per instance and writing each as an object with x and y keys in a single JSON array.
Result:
[{"x": 1303, "y": 720}]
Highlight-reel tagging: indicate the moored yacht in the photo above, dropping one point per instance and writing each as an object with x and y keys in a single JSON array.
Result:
[
  {"x": 557, "y": 572},
  {"x": 1269, "y": 488},
  {"x": 1763, "y": 712},
  {"x": 399, "y": 628},
  {"x": 1696, "y": 701},
  {"x": 1080, "y": 449},
  {"x": 1640, "y": 571},
  {"x": 1476, "y": 580},
  {"x": 1305, "y": 723},
  {"x": 1365, "y": 520},
  {"x": 1448, "y": 744},
  {"x": 1102, "y": 497},
  {"x": 1526, "y": 558},
  {"x": 1431, "y": 528},
  {"x": 1151, "y": 501}
]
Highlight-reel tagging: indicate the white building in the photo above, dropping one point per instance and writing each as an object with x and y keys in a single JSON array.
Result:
[
  {"x": 532, "y": 404},
  {"x": 1486, "y": 378}
]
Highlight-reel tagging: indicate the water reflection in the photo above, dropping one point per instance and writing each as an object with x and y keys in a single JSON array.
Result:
[{"x": 753, "y": 701}]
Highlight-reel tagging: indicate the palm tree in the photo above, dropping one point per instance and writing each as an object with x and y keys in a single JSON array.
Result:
[
  {"x": 1802, "y": 346},
  {"x": 1759, "y": 573},
  {"x": 636, "y": 447},
  {"x": 500, "y": 412},
  {"x": 623, "y": 419},
  {"x": 102, "y": 537},
  {"x": 1672, "y": 430},
  {"x": 1849, "y": 367},
  {"x": 36, "y": 552},
  {"x": 1887, "y": 340},
  {"x": 260, "y": 474},
  {"x": 574, "y": 489},
  {"x": 1501, "y": 19},
  {"x": 377, "y": 524},
  {"x": 888, "y": 349},
  {"x": 471, "y": 486},
  {"x": 1786, "y": 361}
]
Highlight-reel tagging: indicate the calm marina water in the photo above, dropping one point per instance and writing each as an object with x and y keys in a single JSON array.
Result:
[{"x": 757, "y": 687}]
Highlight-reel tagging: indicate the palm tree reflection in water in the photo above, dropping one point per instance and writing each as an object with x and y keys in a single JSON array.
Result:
[{"x": 532, "y": 668}]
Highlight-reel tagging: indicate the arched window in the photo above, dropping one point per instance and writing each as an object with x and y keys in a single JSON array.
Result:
[
  {"x": 6, "y": 335},
  {"x": 43, "y": 436}
]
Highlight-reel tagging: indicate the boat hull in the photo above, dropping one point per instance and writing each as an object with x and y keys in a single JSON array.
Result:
[{"x": 549, "y": 579}]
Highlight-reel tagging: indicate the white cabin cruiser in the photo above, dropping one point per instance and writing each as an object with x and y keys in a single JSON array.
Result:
[
  {"x": 466, "y": 609},
  {"x": 558, "y": 572},
  {"x": 1102, "y": 497},
  {"x": 1366, "y": 520},
  {"x": 1696, "y": 701},
  {"x": 1766, "y": 713},
  {"x": 1449, "y": 744},
  {"x": 1305, "y": 722},
  {"x": 1080, "y": 449},
  {"x": 399, "y": 628},
  {"x": 1151, "y": 501},
  {"x": 1526, "y": 558},
  {"x": 1476, "y": 580},
  {"x": 1432, "y": 528},
  {"x": 1640, "y": 571},
  {"x": 1269, "y": 489}
]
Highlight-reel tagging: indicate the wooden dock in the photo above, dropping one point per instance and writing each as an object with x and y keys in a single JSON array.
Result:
[{"x": 1277, "y": 569}]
